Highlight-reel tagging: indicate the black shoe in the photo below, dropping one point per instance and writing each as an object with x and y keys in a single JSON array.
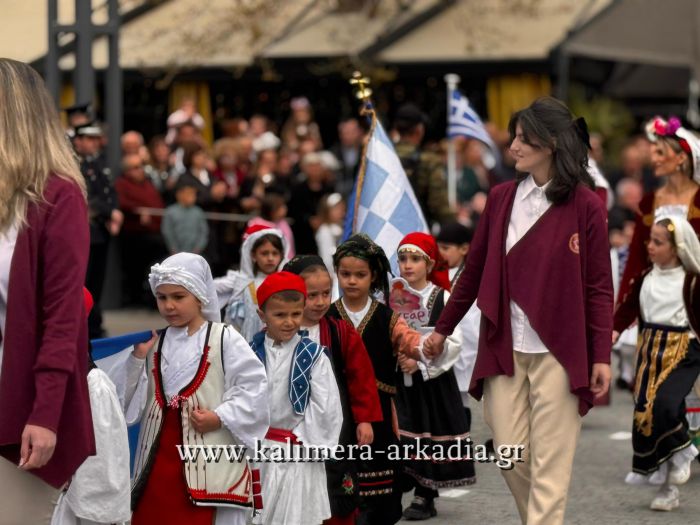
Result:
[
  {"x": 420, "y": 509},
  {"x": 621, "y": 384}
]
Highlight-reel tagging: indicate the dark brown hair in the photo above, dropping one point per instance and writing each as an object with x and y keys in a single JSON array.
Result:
[{"x": 548, "y": 123}]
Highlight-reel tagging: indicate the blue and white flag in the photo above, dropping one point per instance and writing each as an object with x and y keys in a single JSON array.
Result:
[
  {"x": 387, "y": 209},
  {"x": 465, "y": 122},
  {"x": 110, "y": 354}
]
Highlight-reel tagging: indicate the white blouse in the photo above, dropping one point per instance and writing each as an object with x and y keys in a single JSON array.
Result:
[
  {"x": 529, "y": 205},
  {"x": 7, "y": 249},
  {"x": 357, "y": 317},
  {"x": 661, "y": 297},
  {"x": 244, "y": 409}
]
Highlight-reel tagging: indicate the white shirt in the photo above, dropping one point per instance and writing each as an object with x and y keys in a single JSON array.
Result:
[
  {"x": 529, "y": 205},
  {"x": 357, "y": 317},
  {"x": 661, "y": 297},
  {"x": 320, "y": 424},
  {"x": 7, "y": 249},
  {"x": 314, "y": 332}
]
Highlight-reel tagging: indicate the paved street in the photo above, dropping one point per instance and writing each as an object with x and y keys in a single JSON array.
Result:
[{"x": 597, "y": 496}]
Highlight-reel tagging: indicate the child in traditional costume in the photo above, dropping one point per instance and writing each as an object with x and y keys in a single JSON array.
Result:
[
  {"x": 666, "y": 298},
  {"x": 98, "y": 493},
  {"x": 204, "y": 387},
  {"x": 362, "y": 269},
  {"x": 355, "y": 377},
  {"x": 428, "y": 403},
  {"x": 263, "y": 252},
  {"x": 453, "y": 242},
  {"x": 304, "y": 405}
]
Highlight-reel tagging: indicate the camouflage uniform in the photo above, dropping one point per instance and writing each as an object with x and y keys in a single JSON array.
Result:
[{"x": 426, "y": 173}]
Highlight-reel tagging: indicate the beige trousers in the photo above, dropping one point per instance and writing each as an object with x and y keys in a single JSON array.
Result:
[
  {"x": 536, "y": 409},
  {"x": 24, "y": 498}
]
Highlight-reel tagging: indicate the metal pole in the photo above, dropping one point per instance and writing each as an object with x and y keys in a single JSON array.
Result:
[
  {"x": 51, "y": 61},
  {"x": 563, "y": 65},
  {"x": 113, "y": 92},
  {"x": 84, "y": 75},
  {"x": 452, "y": 80}
]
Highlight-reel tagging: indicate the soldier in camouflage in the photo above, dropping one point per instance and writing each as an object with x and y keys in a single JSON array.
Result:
[{"x": 425, "y": 170}]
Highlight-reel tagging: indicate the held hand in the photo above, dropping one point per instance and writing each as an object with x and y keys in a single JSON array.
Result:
[
  {"x": 365, "y": 434},
  {"x": 600, "y": 379},
  {"x": 408, "y": 365},
  {"x": 434, "y": 345},
  {"x": 38, "y": 444},
  {"x": 141, "y": 350},
  {"x": 204, "y": 421},
  {"x": 615, "y": 336}
]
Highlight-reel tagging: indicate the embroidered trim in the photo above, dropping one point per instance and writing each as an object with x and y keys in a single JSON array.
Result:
[
  {"x": 428, "y": 435},
  {"x": 392, "y": 322},
  {"x": 431, "y": 300},
  {"x": 365, "y": 320},
  {"x": 386, "y": 388},
  {"x": 432, "y": 484},
  {"x": 382, "y": 492},
  {"x": 202, "y": 495},
  {"x": 376, "y": 473},
  {"x": 177, "y": 399}
]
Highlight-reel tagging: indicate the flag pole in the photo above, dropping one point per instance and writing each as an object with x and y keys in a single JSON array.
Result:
[
  {"x": 363, "y": 92},
  {"x": 452, "y": 80}
]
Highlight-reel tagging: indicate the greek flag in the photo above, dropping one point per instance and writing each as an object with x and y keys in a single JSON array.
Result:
[
  {"x": 464, "y": 121},
  {"x": 387, "y": 209},
  {"x": 109, "y": 355}
]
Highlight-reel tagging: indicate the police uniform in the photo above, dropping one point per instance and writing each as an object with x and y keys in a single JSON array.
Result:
[{"x": 102, "y": 200}]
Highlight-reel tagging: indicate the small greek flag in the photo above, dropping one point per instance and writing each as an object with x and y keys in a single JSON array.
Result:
[
  {"x": 463, "y": 121},
  {"x": 110, "y": 354},
  {"x": 387, "y": 209}
]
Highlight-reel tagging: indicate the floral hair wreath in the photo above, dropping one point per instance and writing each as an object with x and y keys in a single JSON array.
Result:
[{"x": 658, "y": 127}]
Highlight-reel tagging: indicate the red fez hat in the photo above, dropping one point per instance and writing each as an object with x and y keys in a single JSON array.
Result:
[
  {"x": 426, "y": 245},
  {"x": 88, "y": 301},
  {"x": 280, "y": 282}
]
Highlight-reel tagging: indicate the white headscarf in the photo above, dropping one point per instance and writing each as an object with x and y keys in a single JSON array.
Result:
[
  {"x": 687, "y": 244},
  {"x": 191, "y": 272},
  {"x": 249, "y": 241}
]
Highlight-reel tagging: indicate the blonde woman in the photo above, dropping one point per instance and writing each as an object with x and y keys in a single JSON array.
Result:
[{"x": 45, "y": 422}]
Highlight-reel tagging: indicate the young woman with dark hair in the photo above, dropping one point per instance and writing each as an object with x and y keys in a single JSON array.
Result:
[{"x": 539, "y": 265}]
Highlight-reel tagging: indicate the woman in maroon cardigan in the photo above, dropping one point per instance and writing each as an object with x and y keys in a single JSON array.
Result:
[
  {"x": 539, "y": 269},
  {"x": 45, "y": 420}
]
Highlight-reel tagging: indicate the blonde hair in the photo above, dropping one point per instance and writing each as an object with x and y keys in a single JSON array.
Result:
[{"x": 33, "y": 144}]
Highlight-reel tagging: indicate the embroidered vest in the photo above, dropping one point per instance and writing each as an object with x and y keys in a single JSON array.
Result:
[
  {"x": 306, "y": 353},
  {"x": 376, "y": 329},
  {"x": 220, "y": 483}
]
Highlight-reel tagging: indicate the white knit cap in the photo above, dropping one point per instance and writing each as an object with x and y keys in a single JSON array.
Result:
[{"x": 191, "y": 272}]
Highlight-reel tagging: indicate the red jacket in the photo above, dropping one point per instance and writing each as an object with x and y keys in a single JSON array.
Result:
[
  {"x": 638, "y": 259},
  {"x": 43, "y": 379},
  {"x": 359, "y": 373},
  {"x": 559, "y": 274},
  {"x": 134, "y": 195}
]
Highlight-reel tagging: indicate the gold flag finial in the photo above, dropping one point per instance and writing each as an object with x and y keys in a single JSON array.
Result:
[{"x": 363, "y": 91}]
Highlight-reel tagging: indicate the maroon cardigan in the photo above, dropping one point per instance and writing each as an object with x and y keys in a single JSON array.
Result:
[
  {"x": 559, "y": 274},
  {"x": 43, "y": 379}
]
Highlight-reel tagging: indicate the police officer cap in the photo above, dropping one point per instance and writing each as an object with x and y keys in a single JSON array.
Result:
[
  {"x": 78, "y": 108},
  {"x": 91, "y": 129},
  {"x": 411, "y": 114},
  {"x": 454, "y": 233}
]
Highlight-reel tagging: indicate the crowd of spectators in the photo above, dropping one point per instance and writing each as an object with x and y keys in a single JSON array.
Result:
[{"x": 178, "y": 193}]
